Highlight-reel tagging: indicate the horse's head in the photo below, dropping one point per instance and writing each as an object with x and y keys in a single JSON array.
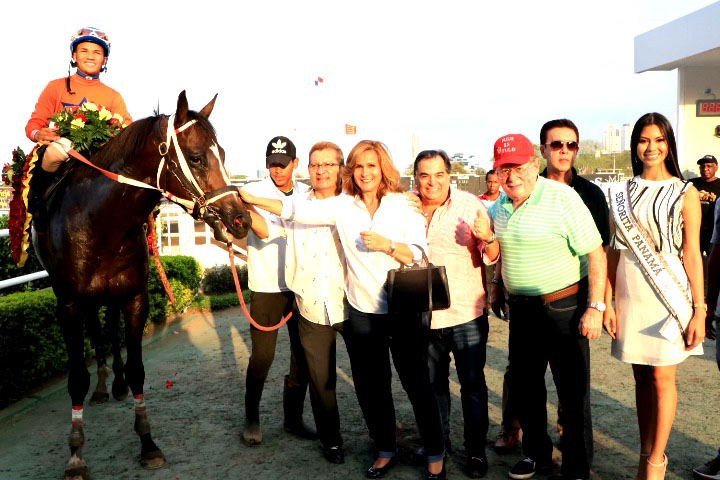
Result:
[{"x": 196, "y": 172}]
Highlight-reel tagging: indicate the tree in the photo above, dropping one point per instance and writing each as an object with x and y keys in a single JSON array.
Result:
[{"x": 457, "y": 167}]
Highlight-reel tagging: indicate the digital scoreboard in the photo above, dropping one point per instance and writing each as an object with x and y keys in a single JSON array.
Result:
[{"x": 707, "y": 108}]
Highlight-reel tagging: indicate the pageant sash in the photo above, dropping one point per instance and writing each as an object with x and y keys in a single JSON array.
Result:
[{"x": 671, "y": 291}]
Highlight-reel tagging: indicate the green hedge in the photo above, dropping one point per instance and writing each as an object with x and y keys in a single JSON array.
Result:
[
  {"x": 9, "y": 269},
  {"x": 219, "y": 279},
  {"x": 32, "y": 348},
  {"x": 184, "y": 276}
]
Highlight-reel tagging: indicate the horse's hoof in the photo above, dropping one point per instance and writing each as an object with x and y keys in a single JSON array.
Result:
[
  {"x": 119, "y": 394},
  {"x": 76, "y": 469},
  {"x": 252, "y": 435},
  {"x": 98, "y": 398},
  {"x": 152, "y": 460}
]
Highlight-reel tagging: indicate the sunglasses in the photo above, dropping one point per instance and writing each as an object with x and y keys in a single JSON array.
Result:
[
  {"x": 91, "y": 32},
  {"x": 557, "y": 145}
]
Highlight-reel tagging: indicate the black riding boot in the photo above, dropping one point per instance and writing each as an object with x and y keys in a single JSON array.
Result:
[
  {"x": 39, "y": 183},
  {"x": 252, "y": 435},
  {"x": 293, "y": 403}
]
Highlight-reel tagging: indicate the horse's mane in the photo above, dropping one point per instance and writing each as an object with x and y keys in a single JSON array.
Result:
[
  {"x": 126, "y": 143},
  {"x": 133, "y": 139}
]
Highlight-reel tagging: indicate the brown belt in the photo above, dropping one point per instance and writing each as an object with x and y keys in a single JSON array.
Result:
[{"x": 560, "y": 294}]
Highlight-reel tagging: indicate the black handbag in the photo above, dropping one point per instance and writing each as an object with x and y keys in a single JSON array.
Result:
[{"x": 417, "y": 289}]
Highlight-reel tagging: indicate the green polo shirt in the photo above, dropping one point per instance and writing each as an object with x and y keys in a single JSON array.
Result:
[{"x": 544, "y": 242}]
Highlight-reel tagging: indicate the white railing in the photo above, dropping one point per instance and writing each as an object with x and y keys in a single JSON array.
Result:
[{"x": 11, "y": 282}]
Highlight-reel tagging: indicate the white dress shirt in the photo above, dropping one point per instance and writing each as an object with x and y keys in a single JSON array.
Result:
[
  {"x": 266, "y": 258},
  {"x": 314, "y": 268},
  {"x": 366, "y": 269}
]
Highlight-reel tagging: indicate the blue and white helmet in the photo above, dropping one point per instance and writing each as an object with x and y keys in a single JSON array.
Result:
[{"x": 90, "y": 34}]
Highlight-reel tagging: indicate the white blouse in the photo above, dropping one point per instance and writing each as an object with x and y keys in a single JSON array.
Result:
[{"x": 366, "y": 269}]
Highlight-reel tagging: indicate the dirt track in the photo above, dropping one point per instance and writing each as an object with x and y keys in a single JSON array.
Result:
[{"x": 197, "y": 421}]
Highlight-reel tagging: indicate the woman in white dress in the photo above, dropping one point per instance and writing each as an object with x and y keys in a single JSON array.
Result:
[{"x": 668, "y": 209}]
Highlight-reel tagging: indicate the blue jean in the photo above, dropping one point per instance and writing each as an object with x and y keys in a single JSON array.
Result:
[
  {"x": 369, "y": 339},
  {"x": 467, "y": 342},
  {"x": 547, "y": 333}
]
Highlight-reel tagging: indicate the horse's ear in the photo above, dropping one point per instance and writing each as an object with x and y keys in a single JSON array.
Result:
[
  {"x": 182, "y": 108},
  {"x": 207, "y": 110}
]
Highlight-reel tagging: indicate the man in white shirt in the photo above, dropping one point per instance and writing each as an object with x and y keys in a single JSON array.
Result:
[
  {"x": 315, "y": 272},
  {"x": 271, "y": 301}
]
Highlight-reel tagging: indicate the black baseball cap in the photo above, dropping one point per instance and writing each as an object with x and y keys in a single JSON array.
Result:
[
  {"x": 280, "y": 150},
  {"x": 707, "y": 159}
]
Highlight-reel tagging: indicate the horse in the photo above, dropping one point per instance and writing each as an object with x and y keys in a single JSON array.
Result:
[{"x": 92, "y": 242}]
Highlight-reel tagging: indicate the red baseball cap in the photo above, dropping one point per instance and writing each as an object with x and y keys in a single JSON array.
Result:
[{"x": 513, "y": 148}]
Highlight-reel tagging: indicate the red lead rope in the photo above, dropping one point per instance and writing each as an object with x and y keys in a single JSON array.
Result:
[{"x": 240, "y": 295}]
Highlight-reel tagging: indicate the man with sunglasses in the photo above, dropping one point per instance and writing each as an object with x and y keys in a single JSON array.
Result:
[
  {"x": 559, "y": 146},
  {"x": 554, "y": 268},
  {"x": 90, "y": 49},
  {"x": 272, "y": 300}
]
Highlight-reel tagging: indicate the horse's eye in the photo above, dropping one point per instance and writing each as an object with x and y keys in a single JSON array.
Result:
[{"x": 196, "y": 159}]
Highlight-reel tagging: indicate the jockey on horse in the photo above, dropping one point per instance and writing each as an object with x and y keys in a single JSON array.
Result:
[{"x": 90, "y": 49}]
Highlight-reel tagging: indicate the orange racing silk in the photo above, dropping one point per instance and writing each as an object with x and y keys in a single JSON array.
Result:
[{"x": 55, "y": 97}]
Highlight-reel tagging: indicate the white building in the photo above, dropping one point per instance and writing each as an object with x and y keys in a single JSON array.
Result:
[
  {"x": 690, "y": 44},
  {"x": 617, "y": 139}
]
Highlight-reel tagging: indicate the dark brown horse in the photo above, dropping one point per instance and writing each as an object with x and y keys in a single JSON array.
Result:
[{"x": 93, "y": 243}]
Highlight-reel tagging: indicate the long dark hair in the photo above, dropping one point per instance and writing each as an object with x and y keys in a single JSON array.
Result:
[{"x": 659, "y": 120}]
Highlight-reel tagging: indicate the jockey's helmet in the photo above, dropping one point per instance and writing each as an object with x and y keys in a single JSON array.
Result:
[{"x": 90, "y": 34}]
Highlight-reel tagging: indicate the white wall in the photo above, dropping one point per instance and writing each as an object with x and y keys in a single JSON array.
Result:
[{"x": 696, "y": 135}]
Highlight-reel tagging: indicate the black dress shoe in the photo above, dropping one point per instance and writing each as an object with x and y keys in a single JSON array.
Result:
[
  {"x": 373, "y": 472},
  {"x": 437, "y": 476},
  {"x": 476, "y": 467},
  {"x": 334, "y": 454}
]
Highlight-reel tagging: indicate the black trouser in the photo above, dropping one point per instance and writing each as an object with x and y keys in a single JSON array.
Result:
[
  {"x": 369, "y": 339},
  {"x": 318, "y": 342},
  {"x": 268, "y": 309},
  {"x": 543, "y": 333}
]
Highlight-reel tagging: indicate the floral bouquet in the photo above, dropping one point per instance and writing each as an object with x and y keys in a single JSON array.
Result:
[{"x": 88, "y": 126}]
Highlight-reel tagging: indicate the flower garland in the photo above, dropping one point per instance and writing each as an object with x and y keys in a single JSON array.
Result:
[{"x": 88, "y": 127}]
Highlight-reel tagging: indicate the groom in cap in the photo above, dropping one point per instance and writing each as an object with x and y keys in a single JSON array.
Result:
[{"x": 272, "y": 300}]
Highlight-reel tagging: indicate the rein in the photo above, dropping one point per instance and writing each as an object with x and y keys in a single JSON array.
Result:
[{"x": 238, "y": 289}]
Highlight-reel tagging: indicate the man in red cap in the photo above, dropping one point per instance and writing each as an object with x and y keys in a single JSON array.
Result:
[{"x": 554, "y": 268}]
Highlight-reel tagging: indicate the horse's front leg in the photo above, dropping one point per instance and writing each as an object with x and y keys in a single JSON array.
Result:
[
  {"x": 71, "y": 323},
  {"x": 136, "y": 313}
]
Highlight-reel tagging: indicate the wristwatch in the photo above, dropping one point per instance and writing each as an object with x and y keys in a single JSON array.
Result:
[
  {"x": 599, "y": 306},
  {"x": 392, "y": 248},
  {"x": 497, "y": 281},
  {"x": 492, "y": 239}
]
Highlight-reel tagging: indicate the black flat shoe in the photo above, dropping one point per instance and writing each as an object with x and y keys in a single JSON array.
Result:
[
  {"x": 373, "y": 472},
  {"x": 437, "y": 476},
  {"x": 334, "y": 455}
]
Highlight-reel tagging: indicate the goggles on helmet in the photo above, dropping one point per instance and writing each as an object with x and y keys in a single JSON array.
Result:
[{"x": 90, "y": 34}]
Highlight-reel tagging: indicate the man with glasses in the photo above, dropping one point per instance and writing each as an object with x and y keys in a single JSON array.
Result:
[
  {"x": 554, "y": 268},
  {"x": 709, "y": 187},
  {"x": 315, "y": 272},
  {"x": 559, "y": 147},
  {"x": 272, "y": 300}
]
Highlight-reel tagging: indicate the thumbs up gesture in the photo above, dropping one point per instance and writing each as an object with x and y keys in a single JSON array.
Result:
[{"x": 481, "y": 226}]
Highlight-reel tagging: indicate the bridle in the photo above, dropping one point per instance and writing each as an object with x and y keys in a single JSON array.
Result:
[{"x": 200, "y": 206}]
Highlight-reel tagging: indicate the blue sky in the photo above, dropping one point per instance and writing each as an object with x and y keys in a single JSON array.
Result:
[{"x": 459, "y": 74}]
